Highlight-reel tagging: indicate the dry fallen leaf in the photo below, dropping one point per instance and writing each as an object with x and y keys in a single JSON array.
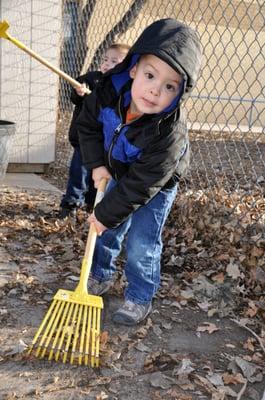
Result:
[
  {"x": 102, "y": 396},
  {"x": 218, "y": 278},
  {"x": 185, "y": 368},
  {"x": 232, "y": 379},
  {"x": 252, "y": 310},
  {"x": 142, "y": 347},
  {"x": 249, "y": 344},
  {"x": 176, "y": 395},
  {"x": 157, "y": 379},
  {"x": 17, "y": 349},
  {"x": 104, "y": 338},
  {"x": 208, "y": 327},
  {"x": 233, "y": 270},
  {"x": 248, "y": 369}
]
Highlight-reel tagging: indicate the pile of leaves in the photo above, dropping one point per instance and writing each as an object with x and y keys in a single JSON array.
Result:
[
  {"x": 214, "y": 244},
  {"x": 219, "y": 237},
  {"x": 213, "y": 262}
]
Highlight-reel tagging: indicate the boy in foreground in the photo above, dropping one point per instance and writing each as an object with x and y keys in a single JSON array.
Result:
[{"x": 133, "y": 132}]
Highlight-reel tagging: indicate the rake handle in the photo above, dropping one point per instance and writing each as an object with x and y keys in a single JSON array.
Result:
[
  {"x": 42, "y": 60},
  {"x": 90, "y": 244}
]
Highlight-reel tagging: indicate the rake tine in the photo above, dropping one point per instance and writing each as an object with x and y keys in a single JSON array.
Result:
[
  {"x": 93, "y": 342},
  {"x": 84, "y": 329},
  {"x": 64, "y": 332},
  {"x": 76, "y": 334},
  {"x": 88, "y": 335},
  {"x": 98, "y": 335},
  {"x": 59, "y": 331},
  {"x": 42, "y": 325},
  {"x": 48, "y": 328},
  {"x": 53, "y": 327},
  {"x": 70, "y": 334}
]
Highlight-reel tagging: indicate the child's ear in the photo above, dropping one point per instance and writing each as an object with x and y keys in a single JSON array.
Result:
[{"x": 133, "y": 72}]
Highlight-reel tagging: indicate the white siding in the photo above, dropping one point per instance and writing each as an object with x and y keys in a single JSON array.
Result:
[{"x": 28, "y": 90}]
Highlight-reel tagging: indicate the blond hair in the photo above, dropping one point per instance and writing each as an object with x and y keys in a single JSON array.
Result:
[{"x": 122, "y": 47}]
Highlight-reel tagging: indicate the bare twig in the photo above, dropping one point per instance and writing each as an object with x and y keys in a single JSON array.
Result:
[
  {"x": 242, "y": 391},
  {"x": 252, "y": 332}
]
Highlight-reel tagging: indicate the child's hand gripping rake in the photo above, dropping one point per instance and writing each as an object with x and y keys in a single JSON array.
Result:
[
  {"x": 4, "y": 25},
  {"x": 70, "y": 330}
]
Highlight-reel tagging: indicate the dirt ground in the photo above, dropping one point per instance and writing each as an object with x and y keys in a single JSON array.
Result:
[{"x": 203, "y": 340}]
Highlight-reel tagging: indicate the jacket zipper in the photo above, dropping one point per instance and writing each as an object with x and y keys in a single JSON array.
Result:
[
  {"x": 114, "y": 140},
  {"x": 116, "y": 135}
]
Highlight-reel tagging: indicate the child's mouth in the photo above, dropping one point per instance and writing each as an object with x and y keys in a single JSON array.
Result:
[{"x": 148, "y": 103}]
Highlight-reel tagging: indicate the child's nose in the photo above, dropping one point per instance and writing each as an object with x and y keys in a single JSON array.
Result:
[{"x": 155, "y": 90}]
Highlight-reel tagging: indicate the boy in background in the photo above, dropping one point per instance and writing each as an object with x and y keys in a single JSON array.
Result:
[
  {"x": 133, "y": 131},
  {"x": 80, "y": 187}
]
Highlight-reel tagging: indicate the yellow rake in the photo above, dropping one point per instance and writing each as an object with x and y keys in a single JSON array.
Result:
[
  {"x": 4, "y": 25},
  {"x": 70, "y": 331}
]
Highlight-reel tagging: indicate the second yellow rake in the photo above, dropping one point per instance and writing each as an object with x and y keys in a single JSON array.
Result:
[
  {"x": 4, "y": 25},
  {"x": 70, "y": 330}
]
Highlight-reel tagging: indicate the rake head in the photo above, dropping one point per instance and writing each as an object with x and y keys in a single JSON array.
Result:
[
  {"x": 4, "y": 25},
  {"x": 70, "y": 331}
]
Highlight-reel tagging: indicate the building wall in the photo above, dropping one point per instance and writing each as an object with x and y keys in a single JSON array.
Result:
[{"x": 28, "y": 90}]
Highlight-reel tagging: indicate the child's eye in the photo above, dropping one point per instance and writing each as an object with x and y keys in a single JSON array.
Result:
[
  {"x": 149, "y": 75},
  {"x": 171, "y": 88}
]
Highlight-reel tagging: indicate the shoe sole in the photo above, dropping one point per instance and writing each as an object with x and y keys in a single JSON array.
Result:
[
  {"x": 100, "y": 293},
  {"x": 121, "y": 319}
]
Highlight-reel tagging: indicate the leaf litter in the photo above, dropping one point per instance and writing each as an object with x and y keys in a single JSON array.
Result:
[{"x": 213, "y": 268}]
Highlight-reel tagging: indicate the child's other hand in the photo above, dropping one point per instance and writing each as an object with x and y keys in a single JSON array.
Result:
[
  {"x": 98, "y": 174},
  {"x": 100, "y": 228},
  {"x": 82, "y": 90}
]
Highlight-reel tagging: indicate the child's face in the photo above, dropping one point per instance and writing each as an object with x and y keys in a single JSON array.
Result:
[
  {"x": 112, "y": 57},
  {"x": 155, "y": 85}
]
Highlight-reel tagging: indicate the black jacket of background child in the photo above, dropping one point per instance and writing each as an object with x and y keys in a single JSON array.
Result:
[
  {"x": 151, "y": 152},
  {"x": 90, "y": 79}
]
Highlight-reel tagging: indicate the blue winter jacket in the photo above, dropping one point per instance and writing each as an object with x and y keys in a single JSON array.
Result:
[{"x": 152, "y": 152}]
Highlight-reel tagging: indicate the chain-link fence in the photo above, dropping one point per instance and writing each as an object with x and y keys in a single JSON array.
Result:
[
  {"x": 222, "y": 209},
  {"x": 226, "y": 109}
]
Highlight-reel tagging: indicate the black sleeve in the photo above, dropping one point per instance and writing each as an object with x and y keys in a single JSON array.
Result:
[
  {"x": 90, "y": 133},
  {"x": 145, "y": 178}
]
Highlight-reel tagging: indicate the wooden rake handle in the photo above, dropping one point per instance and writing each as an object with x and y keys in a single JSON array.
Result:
[{"x": 90, "y": 244}]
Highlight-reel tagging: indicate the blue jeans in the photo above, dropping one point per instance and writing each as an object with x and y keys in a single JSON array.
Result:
[
  {"x": 80, "y": 188},
  {"x": 143, "y": 247}
]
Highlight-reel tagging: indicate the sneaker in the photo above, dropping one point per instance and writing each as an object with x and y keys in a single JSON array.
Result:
[
  {"x": 98, "y": 288},
  {"x": 66, "y": 212},
  {"x": 131, "y": 313}
]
